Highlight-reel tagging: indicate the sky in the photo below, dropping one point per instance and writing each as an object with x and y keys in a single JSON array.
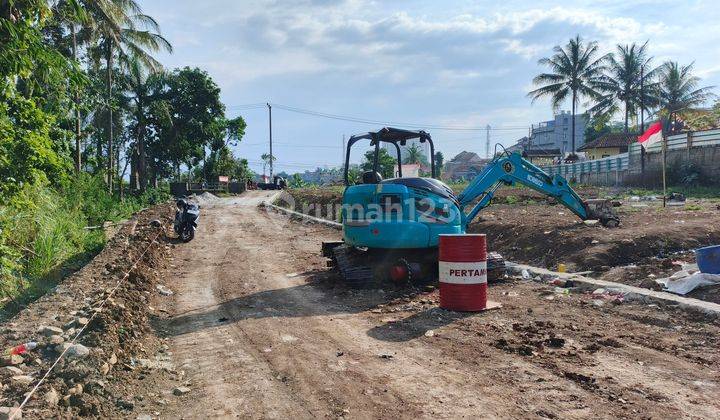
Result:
[{"x": 454, "y": 65}]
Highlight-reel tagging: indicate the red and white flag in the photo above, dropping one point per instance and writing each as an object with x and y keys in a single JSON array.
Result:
[{"x": 651, "y": 136}]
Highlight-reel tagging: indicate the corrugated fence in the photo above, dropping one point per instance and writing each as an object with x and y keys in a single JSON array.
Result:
[{"x": 613, "y": 169}]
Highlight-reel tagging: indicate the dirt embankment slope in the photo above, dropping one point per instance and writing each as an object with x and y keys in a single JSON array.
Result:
[
  {"x": 99, "y": 374},
  {"x": 545, "y": 235}
]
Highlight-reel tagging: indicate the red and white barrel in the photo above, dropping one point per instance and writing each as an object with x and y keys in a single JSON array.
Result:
[{"x": 463, "y": 272}]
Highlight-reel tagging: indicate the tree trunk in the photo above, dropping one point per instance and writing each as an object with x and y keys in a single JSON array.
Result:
[
  {"x": 627, "y": 115},
  {"x": 117, "y": 166},
  {"x": 142, "y": 159},
  {"x": 109, "y": 61},
  {"x": 574, "y": 100},
  {"x": 78, "y": 154},
  {"x": 122, "y": 175}
]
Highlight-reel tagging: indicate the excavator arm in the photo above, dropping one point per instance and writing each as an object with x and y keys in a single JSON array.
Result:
[{"x": 510, "y": 169}]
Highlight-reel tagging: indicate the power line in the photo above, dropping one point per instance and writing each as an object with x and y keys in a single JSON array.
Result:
[
  {"x": 290, "y": 145},
  {"x": 294, "y": 165},
  {"x": 377, "y": 122},
  {"x": 246, "y": 106}
]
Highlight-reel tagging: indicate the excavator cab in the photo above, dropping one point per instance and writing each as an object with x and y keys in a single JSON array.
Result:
[
  {"x": 399, "y": 212},
  {"x": 395, "y": 136}
]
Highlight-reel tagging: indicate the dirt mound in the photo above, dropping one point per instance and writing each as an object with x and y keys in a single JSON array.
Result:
[
  {"x": 94, "y": 378},
  {"x": 547, "y": 235},
  {"x": 205, "y": 198},
  {"x": 318, "y": 202},
  {"x": 650, "y": 238}
]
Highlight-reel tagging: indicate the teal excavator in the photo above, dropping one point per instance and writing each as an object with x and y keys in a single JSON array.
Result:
[{"x": 391, "y": 227}]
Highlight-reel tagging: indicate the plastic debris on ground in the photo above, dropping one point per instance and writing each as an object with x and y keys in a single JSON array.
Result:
[
  {"x": 688, "y": 279},
  {"x": 601, "y": 295}
]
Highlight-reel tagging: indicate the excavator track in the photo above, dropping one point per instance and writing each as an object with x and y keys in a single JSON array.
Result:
[
  {"x": 354, "y": 267},
  {"x": 361, "y": 269}
]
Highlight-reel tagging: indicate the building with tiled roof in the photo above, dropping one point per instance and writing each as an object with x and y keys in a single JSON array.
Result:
[{"x": 608, "y": 145}]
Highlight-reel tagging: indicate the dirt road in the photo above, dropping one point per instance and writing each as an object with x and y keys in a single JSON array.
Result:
[{"x": 262, "y": 330}]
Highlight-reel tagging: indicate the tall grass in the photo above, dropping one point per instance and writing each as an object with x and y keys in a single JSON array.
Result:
[{"x": 43, "y": 233}]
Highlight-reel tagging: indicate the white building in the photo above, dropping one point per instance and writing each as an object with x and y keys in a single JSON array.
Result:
[{"x": 557, "y": 133}]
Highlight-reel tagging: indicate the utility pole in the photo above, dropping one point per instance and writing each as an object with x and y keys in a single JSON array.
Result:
[
  {"x": 271, "y": 153},
  {"x": 528, "y": 145},
  {"x": 342, "y": 153},
  {"x": 487, "y": 141},
  {"x": 642, "y": 116}
]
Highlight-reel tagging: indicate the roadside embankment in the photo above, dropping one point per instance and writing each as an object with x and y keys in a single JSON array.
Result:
[{"x": 93, "y": 324}]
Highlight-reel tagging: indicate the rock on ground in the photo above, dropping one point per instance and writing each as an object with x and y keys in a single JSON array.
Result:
[
  {"x": 181, "y": 390},
  {"x": 5, "y": 413}
]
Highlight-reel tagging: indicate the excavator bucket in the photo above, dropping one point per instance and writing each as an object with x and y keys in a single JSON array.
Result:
[{"x": 602, "y": 210}]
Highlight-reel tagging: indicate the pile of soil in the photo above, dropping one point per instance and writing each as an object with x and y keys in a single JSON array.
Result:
[
  {"x": 96, "y": 377},
  {"x": 204, "y": 198},
  {"x": 318, "y": 202},
  {"x": 649, "y": 243}
]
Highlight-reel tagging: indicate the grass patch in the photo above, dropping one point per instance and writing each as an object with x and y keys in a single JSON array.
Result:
[
  {"x": 43, "y": 235},
  {"x": 511, "y": 199}
]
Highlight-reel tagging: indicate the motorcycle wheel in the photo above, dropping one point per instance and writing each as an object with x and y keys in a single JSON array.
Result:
[{"x": 188, "y": 234}]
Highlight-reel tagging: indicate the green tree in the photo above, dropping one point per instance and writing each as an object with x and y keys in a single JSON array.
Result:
[
  {"x": 137, "y": 89},
  {"x": 703, "y": 119},
  {"x": 623, "y": 82},
  {"x": 127, "y": 34},
  {"x": 576, "y": 72},
  {"x": 354, "y": 174},
  {"x": 185, "y": 117},
  {"x": 415, "y": 155},
  {"x": 267, "y": 159},
  {"x": 26, "y": 149},
  {"x": 439, "y": 162},
  {"x": 242, "y": 171},
  {"x": 33, "y": 76},
  {"x": 678, "y": 89},
  {"x": 439, "y": 159},
  {"x": 296, "y": 181},
  {"x": 73, "y": 20},
  {"x": 386, "y": 163}
]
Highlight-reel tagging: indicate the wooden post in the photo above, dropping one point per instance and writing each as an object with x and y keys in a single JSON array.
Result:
[{"x": 664, "y": 160}]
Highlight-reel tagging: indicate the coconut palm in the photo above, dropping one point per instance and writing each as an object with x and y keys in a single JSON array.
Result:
[
  {"x": 678, "y": 89},
  {"x": 415, "y": 155},
  {"x": 79, "y": 17},
  {"x": 267, "y": 159},
  {"x": 576, "y": 72},
  {"x": 135, "y": 38},
  {"x": 139, "y": 95},
  {"x": 629, "y": 82}
]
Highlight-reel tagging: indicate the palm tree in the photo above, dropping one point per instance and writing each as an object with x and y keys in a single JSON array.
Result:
[
  {"x": 80, "y": 17},
  {"x": 678, "y": 89},
  {"x": 267, "y": 158},
  {"x": 134, "y": 38},
  {"x": 628, "y": 70},
  {"x": 576, "y": 72},
  {"x": 139, "y": 95},
  {"x": 415, "y": 155}
]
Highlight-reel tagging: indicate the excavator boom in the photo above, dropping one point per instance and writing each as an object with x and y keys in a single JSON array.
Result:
[{"x": 510, "y": 169}]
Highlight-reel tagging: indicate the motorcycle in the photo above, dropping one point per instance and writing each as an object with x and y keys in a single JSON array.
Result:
[{"x": 186, "y": 218}]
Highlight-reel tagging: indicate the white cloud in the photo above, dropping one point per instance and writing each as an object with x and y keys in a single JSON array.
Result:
[{"x": 450, "y": 63}]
